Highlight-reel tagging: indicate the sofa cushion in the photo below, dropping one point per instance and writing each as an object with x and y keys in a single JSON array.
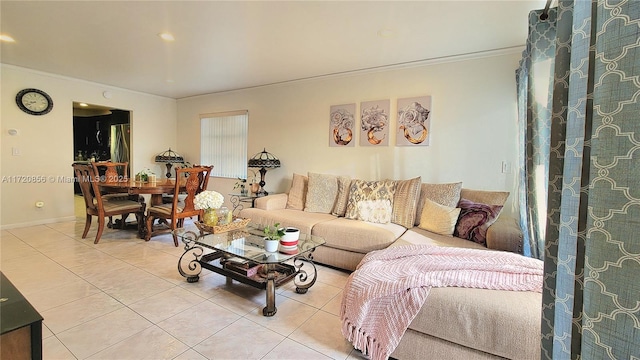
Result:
[
  {"x": 298, "y": 192},
  {"x": 357, "y": 236},
  {"x": 340, "y": 207},
  {"x": 439, "y": 219},
  {"x": 405, "y": 200},
  {"x": 367, "y": 190},
  {"x": 443, "y": 194},
  {"x": 485, "y": 196},
  {"x": 286, "y": 217},
  {"x": 419, "y": 236},
  {"x": 322, "y": 193},
  {"x": 499, "y": 322},
  {"x": 375, "y": 211},
  {"x": 474, "y": 220}
]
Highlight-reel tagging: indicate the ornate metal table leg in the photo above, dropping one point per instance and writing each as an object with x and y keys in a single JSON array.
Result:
[
  {"x": 303, "y": 280},
  {"x": 270, "y": 309},
  {"x": 191, "y": 267}
]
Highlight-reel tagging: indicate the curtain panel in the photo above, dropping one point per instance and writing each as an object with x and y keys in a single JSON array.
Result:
[{"x": 591, "y": 296}]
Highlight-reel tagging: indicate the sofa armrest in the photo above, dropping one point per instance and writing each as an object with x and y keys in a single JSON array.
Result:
[
  {"x": 271, "y": 202},
  {"x": 505, "y": 234}
]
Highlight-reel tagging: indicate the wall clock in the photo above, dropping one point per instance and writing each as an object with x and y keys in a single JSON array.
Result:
[{"x": 34, "y": 101}]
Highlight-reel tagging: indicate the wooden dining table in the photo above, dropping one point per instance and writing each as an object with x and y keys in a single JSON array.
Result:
[{"x": 156, "y": 189}]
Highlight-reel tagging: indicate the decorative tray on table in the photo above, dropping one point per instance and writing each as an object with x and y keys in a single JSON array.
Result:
[{"x": 216, "y": 229}]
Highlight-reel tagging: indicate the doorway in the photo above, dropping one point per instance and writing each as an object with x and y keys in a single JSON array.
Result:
[{"x": 100, "y": 133}]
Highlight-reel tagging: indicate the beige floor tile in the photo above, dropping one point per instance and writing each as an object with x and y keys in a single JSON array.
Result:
[
  {"x": 322, "y": 332},
  {"x": 46, "y": 332},
  {"x": 317, "y": 296},
  {"x": 157, "y": 345},
  {"x": 290, "y": 315},
  {"x": 208, "y": 286},
  {"x": 166, "y": 304},
  {"x": 199, "y": 322},
  {"x": 333, "y": 306},
  {"x": 137, "y": 288},
  {"x": 52, "y": 348},
  {"x": 53, "y": 297},
  {"x": 100, "y": 333},
  {"x": 190, "y": 355},
  {"x": 237, "y": 304},
  {"x": 243, "y": 339},
  {"x": 78, "y": 312},
  {"x": 291, "y": 350}
]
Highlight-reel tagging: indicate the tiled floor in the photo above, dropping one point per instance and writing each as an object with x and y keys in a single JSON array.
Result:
[{"x": 124, "y": 299}]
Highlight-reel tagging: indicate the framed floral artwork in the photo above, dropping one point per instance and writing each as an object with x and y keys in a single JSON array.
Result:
[
  {"x": 414, "y": 121},
  {"x": 341, "y": 123},
  {"x": 374, "y": 123}
]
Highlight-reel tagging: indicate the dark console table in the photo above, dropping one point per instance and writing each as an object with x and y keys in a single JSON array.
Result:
[{"x": 20, "y": 325}]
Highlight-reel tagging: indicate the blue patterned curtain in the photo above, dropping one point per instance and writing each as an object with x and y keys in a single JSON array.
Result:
[{"x": 591, "y": 297}]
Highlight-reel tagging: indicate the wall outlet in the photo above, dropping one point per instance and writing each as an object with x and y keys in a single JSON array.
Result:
[
  {"x": 15, "y": 151},
  {"x": 506, "y": 167}
]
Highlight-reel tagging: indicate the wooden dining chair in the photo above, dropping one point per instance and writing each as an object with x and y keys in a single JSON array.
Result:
[
  {"x": 87, "y": 176},
  {"x": 113, "y": 171},
  {"x": 196, "y": 179}
]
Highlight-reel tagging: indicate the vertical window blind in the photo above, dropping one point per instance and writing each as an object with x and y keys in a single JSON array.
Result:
[{"x": 223, "y": 143}]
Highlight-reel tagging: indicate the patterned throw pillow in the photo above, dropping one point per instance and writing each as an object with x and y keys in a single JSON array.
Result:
[
  {"x": 368, "y": 190},
  {"x": 475, "y": 219},
  {"x": 344, "y": 183},
  {"x": 405, "y": 200},
  {"x": 443, "y": 194},
  {"x": 322, "y": 193},
  {"x": 439, "y": 219},
  {"x": 375, "y": 211},
  {"x": 298, "y": 192}
]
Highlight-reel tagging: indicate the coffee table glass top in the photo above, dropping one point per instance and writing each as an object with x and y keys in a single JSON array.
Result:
[{"x": 246, "y": 243}]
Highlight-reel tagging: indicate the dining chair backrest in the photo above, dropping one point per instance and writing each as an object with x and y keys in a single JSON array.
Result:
[
  {"x": 114, "y": 171},
  {"x": 87, "y": 178},
  {"x": 196, "y": 180}
]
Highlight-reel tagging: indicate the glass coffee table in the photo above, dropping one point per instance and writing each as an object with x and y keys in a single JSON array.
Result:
[{"x": 239, "y": 255}]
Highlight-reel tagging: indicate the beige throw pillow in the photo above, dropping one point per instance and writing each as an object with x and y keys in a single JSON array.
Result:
[
  {"x": 322, "y": 193},
  {"x": 365, "y": 191},
  {"x": 439, "y": 219},
  {"x": 340, "y": 207},
  {"x": 298, "y": 192},
  {"x": 405, "y": 200},
  {"x": 443, "y": 194}
]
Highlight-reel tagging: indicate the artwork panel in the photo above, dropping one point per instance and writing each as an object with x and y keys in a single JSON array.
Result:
[
  {"x": 341, "y": 125},
  {"x": 374, "y": 123},
  {"x": 413, "y": 125}
]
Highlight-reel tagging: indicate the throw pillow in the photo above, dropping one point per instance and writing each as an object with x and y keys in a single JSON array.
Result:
[
  {"x": 405, "y": 200},
  {"x": 322, "y": 193},
  {"x": 475, "y": 219},
  {"x": 443, "y": 194},
  {"x": 344, "y": 183},
  {"x": 439, "y": 219},
  {"x": 298, "y": 192},
  {"x": 361, "y": 190},
  {"x": 375, "y": 211}
]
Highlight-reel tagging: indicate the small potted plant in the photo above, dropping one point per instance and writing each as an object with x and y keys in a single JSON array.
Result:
[
  {"x": 272, "y": 236},
  {"x": 240, "y": 184},
  {"x": 144, "y": 175}
]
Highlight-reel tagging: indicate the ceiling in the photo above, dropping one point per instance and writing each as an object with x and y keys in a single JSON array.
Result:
[{"x": 227, "y": 45}]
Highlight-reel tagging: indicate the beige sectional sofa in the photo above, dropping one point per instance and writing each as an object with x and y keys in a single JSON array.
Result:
[{"x": 454, "y": 323}]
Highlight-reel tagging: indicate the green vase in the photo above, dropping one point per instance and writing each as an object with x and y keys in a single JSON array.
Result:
[{"x": 210, "y": 217}]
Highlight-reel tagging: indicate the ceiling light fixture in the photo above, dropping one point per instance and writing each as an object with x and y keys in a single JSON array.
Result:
[
  {"x": 166, "y": 36},
  {"x": 6, "y": 38}
]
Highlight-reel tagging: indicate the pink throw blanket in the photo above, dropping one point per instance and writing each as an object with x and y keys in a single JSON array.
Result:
[{"x": 389, "y": 287}]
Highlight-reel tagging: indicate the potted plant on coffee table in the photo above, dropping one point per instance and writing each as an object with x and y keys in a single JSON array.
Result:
[{"x": 272, "y": 236}]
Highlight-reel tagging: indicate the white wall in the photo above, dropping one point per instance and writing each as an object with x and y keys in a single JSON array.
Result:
[
  {"x": 473, "y": 124},
  {"x": 46, "y": 142}
]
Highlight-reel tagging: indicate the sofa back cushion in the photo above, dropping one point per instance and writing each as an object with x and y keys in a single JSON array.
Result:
[
  {"x": 340, "y": 207},
  {"x": 366, "y": 191},
  {"x": 444, "y": 194},
  {"x": 485, "y": 196},
  {"x": 298, "y": 192},
  {"x": 405, "y": 200},
  {"x": 322, "y": 193}
]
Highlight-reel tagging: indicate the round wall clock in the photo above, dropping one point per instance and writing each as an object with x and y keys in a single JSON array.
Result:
[{"x": 34, "y": 101}]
